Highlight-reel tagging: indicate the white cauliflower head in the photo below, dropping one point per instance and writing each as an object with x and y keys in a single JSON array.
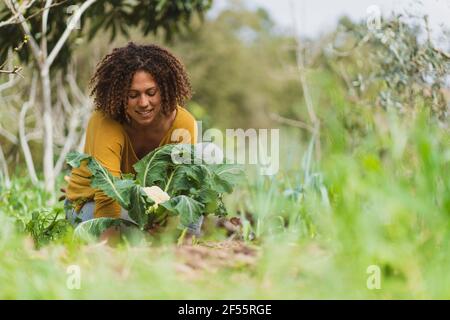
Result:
[{"x": 156, "y": 194}]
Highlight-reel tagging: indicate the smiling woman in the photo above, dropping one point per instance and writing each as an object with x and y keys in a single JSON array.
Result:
[{"x": 138, "y": 92}]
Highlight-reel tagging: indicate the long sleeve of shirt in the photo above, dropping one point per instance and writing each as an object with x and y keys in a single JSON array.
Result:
[{"x": 109, "y": 144}]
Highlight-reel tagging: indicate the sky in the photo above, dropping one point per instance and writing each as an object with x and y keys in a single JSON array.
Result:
[{"x": 318, "y": 16}]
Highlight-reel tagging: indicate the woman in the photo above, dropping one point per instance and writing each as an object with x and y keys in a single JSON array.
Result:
[{"x": 138, "y": 94}]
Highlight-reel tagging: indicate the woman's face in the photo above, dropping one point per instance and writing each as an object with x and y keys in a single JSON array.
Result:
[{"x": 144, "y": 99}]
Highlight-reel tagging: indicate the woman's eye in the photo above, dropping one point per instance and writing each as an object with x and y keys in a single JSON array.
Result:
[{"x": 134, "y": 95}]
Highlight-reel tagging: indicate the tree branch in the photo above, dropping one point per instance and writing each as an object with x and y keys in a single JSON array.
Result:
[
  {"x": 306, "y": 94},
  {"x": 22, "y": 135},
  {"x": 8, "y": 135},
  {"x": 77, "y": 114},
  {"x": 15, "y": 70},
  {"x": 76, "y": 17},
  {"x": 35, "y": 135},
  {"x": 12, "y": 79},
  {"x": 76, "y": 91},
  {"x": 11, "y": 4},
  {"x": 70, "y": 140},
  {"x": 9, "y": 84},
  {"x": 14, "y": 19},
  {"x": 48, "y": 4},
  {"x": 62, "y": 95},
  {"x": 4, "y": 165}
]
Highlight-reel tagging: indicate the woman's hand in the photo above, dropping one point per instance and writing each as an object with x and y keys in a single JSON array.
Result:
[{"x": 63, "y": 189}]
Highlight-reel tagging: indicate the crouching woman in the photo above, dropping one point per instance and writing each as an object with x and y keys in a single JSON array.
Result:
[{"x": 139, "y": 92}]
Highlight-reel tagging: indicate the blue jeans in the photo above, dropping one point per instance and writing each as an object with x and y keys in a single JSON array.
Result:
[{"x": 87, "y": 213}]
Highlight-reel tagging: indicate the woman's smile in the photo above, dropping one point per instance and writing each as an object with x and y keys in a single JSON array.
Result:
[{"x": 145, "y": 113}]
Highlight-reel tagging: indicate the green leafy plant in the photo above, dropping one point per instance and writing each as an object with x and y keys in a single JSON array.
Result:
[
  {"x": 162, "y": 187},
  {"x": 398, "y": 64},
  {"x": 47, "y": 225}
]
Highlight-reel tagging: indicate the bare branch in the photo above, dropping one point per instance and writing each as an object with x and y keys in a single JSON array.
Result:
[
  {"x": 301, "y": 70},
  {"x": 59, "y": 118},
  {"x": 16, "y": 70},
  {"x": 48, "y": 4},
  {"x": 8, "y": 135},
  {"x": 9, "y": 84},
  {"x": 14, "y": 19},
  {"x": 12, "y": 78},
  {"x": 70, "y": 140},
  {"x": 76, "y": 112},
  {"x": 35, "y": 135},
  {"x": 4, "y": 164},
  {"x": 306, "y": 94},
  {"x": 76, "y": 91},
  {"x": 11, "y": 4},
  {"x": 62, "y": 95},
  {"x": 76, "y": 17},
  {"x": 22, "y": 135},
  {"x": 350, "y": 51}
]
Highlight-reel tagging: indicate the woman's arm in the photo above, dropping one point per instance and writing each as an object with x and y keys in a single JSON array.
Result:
[
  {"x": 104, "y": 141},
  {"x": 106, "y": 146}
]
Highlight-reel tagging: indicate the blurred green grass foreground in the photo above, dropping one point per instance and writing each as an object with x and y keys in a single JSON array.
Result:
[{"x": 362, "y": 212}]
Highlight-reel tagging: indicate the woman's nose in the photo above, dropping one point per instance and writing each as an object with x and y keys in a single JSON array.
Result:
[{"x": 142, "y": 102}]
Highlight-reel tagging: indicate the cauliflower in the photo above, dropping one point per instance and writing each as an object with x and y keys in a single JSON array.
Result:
[{"x": 156, "y": 194}]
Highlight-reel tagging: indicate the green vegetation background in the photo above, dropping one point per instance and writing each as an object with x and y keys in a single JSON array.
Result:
[{"x": 376, "y": 193}]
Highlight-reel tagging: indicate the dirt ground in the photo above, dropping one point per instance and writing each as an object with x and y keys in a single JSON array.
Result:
[{"x": 212, "y": 256}]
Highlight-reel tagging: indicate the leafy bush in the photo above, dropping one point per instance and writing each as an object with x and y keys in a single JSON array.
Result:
[
  {"x": 28, "y": 209},
  {"x": 398, "y": 62},
  {"x": 46, "y": 225},
  {"x": 195, "y": 187}
]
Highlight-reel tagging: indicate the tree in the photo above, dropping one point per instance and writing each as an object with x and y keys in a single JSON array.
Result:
[
  {"x": 397, "y": 65},
  {"x": 50, "y": 28},
  {"x": 239, "y": 64}
]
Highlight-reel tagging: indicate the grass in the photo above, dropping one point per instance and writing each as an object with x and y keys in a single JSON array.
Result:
[{"x": 380, "y": 198}]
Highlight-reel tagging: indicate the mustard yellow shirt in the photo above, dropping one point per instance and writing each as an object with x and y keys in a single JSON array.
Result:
[{"x": 108, "y": 142}]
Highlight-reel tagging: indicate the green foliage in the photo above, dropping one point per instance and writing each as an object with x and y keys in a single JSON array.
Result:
[
  {"x": 27, "y": 207},
  {"x": 92, "y": 229},
  {"x": 195, "y": 188},
  {"x": 47, "y": 225},
  {"x": 153, "y": 167},
  {"x": 111, "y": 17},
  {"x": 389, "y": 209},
  {"x": 218, "y": 49},
  {"x": 398, "y": 62},
  {"x": 138, "y": 206},
  {"x": 187, "y": 208},
  {"x": 118, "y": 189},
  {"x": 379, "y": 196}
]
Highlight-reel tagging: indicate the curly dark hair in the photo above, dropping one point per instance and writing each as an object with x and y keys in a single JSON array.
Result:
[{"x": 112, "y": 79}]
